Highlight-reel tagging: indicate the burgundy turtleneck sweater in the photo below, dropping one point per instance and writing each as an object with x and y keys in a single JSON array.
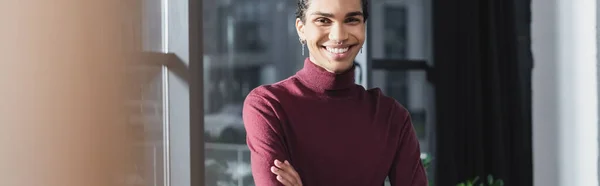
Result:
[{"x": 332, "y": 131}]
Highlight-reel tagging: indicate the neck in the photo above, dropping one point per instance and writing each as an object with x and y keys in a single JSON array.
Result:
[
  {"x": 328, "y": 70},
  {"x": 322, "y": 80}
]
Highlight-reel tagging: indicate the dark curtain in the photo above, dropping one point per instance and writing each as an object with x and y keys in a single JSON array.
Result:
[{"x": 482, "y": 73}]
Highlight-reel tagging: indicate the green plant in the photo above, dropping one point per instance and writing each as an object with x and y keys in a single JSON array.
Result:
[
  {"x": 426, "y": 160},
  {"x": 490, "y": 182}
]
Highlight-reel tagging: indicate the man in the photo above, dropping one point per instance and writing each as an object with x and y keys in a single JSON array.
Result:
[{"x": 318, "y": 127}]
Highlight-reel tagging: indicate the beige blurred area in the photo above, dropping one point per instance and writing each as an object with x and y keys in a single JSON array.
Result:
[{"x": 62, "y": 87}]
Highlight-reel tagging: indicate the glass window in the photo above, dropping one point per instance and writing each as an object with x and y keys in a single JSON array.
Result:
[
  {"x": 146, "y": 120},
  {"x": 400, "y": 33},
  {"x": 146, "y": 106},
  {"x": 247, "y": 43}
]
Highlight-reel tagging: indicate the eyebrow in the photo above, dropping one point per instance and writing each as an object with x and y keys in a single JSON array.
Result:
[
  {"x": 330, "y": 15},
  {"x": 352, "y": 14}
]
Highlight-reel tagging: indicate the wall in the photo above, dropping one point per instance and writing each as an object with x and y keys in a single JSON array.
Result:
[{"x": 565, "y": 103}]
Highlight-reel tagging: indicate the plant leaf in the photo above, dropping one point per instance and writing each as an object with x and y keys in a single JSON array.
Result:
[
  {"x": 499, "y": 183},
  {"x": 490, "y": 179},
  {"x": 475, "y": 180}
]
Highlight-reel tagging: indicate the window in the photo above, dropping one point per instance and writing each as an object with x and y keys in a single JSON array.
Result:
[
  {"x": 400, "y": 59},
  {"x": 247, "y": 43}
]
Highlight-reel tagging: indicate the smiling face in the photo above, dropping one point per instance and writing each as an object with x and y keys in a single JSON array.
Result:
[{"x": 334, "y": 31}]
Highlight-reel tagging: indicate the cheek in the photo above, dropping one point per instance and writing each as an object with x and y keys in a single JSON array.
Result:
[
  {"x": 358, "y": 33},
  {"x": 315, "y": 35}
]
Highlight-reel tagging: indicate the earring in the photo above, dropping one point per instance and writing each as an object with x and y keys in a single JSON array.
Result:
[
  {"x": 361, "y": 50},
  {"x": 303, "y": 42}
]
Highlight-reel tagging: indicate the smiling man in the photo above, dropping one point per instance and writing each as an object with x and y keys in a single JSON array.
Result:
[{"x": 318, "y": 127}]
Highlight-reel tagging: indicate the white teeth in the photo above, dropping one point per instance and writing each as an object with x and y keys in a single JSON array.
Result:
[{"x": 337, "y": 50}]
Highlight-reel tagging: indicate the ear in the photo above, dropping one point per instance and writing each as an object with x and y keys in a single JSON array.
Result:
[{"x": 300, "y": 28}]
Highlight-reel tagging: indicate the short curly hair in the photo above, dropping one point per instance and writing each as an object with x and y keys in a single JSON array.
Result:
[{"x": 303, "y": 6}]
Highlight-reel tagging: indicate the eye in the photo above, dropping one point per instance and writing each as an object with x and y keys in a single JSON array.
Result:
[
  {"x": 322, "y": 21},
  {"x": 352, "y": 20}
]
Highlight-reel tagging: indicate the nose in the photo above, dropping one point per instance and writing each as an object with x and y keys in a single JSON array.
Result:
[{"x": 338, "y": 33}]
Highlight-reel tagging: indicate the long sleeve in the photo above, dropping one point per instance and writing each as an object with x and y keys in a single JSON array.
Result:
[
  {"x": 264, "y": 138},
  {"x": 407, "y": 169}
]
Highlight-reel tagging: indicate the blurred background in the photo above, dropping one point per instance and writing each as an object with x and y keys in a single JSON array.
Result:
[{"x": 500, "y": 89}]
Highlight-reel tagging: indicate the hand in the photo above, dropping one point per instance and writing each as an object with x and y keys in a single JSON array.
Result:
[{"x": 286, "y": 173}]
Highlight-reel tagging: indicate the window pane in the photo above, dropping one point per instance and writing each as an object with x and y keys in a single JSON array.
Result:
[
  {"x": 146, "y": 104},
  {"x": 400, "y": 29},
  {"x": 247, "y": 43},
  {"x": 413, "y": 91},
  {"x": 146, "y": 120}
]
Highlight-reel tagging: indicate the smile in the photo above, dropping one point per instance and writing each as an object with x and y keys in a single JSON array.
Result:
[{"x": 338, "y": 52}]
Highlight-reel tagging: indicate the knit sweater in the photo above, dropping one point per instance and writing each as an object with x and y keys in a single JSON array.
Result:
[{"x": 332, "y": 131}]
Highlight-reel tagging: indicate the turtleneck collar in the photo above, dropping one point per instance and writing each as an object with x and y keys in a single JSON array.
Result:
[{"x": 321, "y": 80}]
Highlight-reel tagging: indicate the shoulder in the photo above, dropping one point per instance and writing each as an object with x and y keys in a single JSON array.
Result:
[
  {"x": 263, "y": 97},
  {"x": 384, "y": 102},
  {"x": 269, "y": 92},
  {"x": 262, "y": 110},
  {"x": 269, "y": 96}
]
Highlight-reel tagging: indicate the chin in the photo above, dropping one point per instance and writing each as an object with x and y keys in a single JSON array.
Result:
[{"x": 340, "y": 66}]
